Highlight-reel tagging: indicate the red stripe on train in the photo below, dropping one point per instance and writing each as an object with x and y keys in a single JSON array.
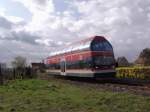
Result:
[{"x": 78, "y": 56}]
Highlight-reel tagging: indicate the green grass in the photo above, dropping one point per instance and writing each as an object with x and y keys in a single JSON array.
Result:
[{"x": 53, "y": 96}]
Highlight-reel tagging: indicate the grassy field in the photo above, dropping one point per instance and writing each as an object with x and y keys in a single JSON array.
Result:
[{"x": 53, "y": 96}]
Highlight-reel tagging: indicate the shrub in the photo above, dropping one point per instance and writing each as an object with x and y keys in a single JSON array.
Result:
[{"x": 134, "y": 72}]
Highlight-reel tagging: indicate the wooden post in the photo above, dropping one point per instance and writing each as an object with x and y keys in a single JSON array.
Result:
[
  {"x": 1, "y": 76},
  {"x": 14, "y": 73}
]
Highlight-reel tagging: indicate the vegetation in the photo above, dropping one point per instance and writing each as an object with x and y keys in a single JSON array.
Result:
[
  {"x": 43, "y": 96},
  {"x": 142, "y": 71},
  {"x": 144, "y": 57},
  {"x": 20, "y": 70},
  {"x": 19, "y": 62},
  {"x": 134, "y": 72},
  {"x": 122, "y": 62}
]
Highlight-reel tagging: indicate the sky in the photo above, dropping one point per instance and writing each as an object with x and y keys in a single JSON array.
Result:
[{"x": 34, "y": 28}]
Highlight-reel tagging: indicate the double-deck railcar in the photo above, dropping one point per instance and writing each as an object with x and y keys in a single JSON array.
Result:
[{"x": 92, "y": 57}]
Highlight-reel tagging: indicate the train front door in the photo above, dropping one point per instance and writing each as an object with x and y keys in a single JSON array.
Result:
[{"x": 63, "y": 66}]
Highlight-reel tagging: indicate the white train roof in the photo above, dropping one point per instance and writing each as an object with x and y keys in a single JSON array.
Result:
[
  {"x": 71, "y": 48},
  {"x": 81, "y": 45}
]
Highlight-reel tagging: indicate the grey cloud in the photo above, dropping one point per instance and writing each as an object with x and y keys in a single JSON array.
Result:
[
  {"x": 11, "y": 49},
  {"x": 25, "y": 37},
  {"x": 4, "y": 23},
  {"x": 10, "y": 34},
  {"x": 41, "y": 2},
  {"x": 21, "y": 36},
  {"x": 126, "y": 22}
]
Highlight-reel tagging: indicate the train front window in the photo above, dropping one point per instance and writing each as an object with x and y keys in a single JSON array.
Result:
[{"x": 101, "y": 46}]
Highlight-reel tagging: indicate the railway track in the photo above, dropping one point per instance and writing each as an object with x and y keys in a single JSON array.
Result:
[
  {"x": 106, "y": 85},
  {"x": 115, "y": 86}
]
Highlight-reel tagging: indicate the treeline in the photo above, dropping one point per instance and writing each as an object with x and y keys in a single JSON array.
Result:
[
  {"x": 142, "y": 60},
  {"x": 19, "y": 70}
]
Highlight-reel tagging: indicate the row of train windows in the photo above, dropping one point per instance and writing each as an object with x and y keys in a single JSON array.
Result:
[
  {"x": 88, "y": 63},
  {"x": 73, "y": 65}
]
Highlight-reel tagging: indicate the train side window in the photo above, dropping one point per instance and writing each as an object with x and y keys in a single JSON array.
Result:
[
  {"x": 81, "y": 64},
  {"x": 88, "y": 62}
]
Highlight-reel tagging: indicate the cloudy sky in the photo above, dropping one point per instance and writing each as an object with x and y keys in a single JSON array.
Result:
[{"x": 33, "y": 28}]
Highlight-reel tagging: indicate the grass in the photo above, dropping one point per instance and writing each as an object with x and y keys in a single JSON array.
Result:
[{"x": 52, "y": 96}]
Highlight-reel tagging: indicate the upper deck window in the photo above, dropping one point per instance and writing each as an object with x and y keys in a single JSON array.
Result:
[{"x": 101, "y": 46}]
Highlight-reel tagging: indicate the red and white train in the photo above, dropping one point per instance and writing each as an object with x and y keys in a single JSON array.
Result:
[{"x": 92, "y": 57}]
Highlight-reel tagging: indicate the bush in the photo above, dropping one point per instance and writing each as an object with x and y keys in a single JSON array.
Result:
[{"x": 134, "y": 72}]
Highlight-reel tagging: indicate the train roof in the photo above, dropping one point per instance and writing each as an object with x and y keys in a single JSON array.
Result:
[{"x": 79, "y": 45}]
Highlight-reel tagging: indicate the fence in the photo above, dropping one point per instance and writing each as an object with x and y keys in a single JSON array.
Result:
[
  {"x": 1, "y": 76},
  {"x": 19, "y": 73}
]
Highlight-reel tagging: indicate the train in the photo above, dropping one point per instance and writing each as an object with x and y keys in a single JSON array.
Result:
[{"x": 91, "y": 58}]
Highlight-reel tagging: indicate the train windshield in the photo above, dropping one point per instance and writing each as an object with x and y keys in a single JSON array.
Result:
[{"x": 101, "y": 46}]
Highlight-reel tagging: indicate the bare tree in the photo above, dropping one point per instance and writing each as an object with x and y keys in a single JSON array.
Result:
[{"x": 19, "y": 62}]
